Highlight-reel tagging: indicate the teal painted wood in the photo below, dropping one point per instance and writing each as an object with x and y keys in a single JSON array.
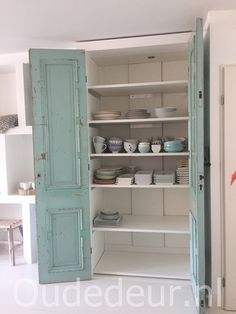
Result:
[
  {"x": 60, "y": 134},
  {"x": 207, "y": 156},
  {"x": 196, "y": 162}
]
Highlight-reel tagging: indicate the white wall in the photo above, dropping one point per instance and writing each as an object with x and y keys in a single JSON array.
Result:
[{"x": 222, "y": 26}]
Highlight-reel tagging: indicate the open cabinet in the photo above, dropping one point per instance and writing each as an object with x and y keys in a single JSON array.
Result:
[{"x": 153, "y": 239}]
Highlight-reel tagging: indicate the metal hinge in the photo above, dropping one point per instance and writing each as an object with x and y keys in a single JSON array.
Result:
[
  {"x": 88, "y": 167},
  {"x": 43, "y": 156},
  {"x": 222, "y": 101},
  {"x": 200, "y": 94},
  {"x": 86, "y": 79},
  {"x": 91, "y": 251},
  {"x": 202, "y": 303},
  {"x": 201, "y": 178},
  {"x": 207, "y": 162},
  {"x": 223, "y": 282}
]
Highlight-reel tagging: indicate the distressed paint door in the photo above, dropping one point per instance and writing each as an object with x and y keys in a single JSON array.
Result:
[
  {"x": 196, "y": 166},
  {"x": 61, "y": 164}
]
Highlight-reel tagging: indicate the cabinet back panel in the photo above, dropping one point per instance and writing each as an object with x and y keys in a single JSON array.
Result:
[
  {"x": 175, "y": 70},
  {"x": 118, "y": 200},
  {"x": 115, "y": 74},
  {"x": 145, "y": 72},
  {"x": 176, "y": 201}
]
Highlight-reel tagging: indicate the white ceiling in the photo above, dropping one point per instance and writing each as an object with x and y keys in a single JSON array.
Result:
[{"x": 58, "y": 23}]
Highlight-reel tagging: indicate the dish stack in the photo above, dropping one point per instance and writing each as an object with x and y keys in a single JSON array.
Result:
[
  {"x": 125, "y": 179},
  {"x": 106, "y": 115},
  {"x": 164, "y": 177},
  {"x": 165, "y": 112},
  {"x": 143, "y": 177},
  {"x": 137, "y": 114},
  {"x": 112, "y": 218},
  {"x": 107, "y": 175},
  {"x": 182, "y": 172},
  {"x": 173, "y": 146}
]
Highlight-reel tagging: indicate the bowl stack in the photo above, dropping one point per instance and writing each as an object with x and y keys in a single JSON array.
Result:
[
  {"x": 115, "y": 144},
  {"x": 173, "y": 146},
  {"x": 165, "y": 112},
  {"x": 164, "y": 177},
  {"x": 182, "y": 172},
  {"x": 107, "y": 175},
  {"x": 106, "y": 115},
  {"x": 137, "y": 114}
]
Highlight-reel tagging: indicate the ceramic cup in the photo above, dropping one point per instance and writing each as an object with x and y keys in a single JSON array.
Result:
[
  {"x": 98, "y": 139},
  {"x": 100, "y": 147},
  {"x": 25, "y": 185},
  {"x": 130, "y": 147}
]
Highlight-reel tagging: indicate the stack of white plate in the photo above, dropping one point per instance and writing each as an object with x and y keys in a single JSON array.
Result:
[
  {"x": 125, "y": 179},
  {"x": 137, "y": 114},
  {"x": 106, "y": 115},
  {"x": 164, "y": 177},
  {"x": 143, "y": 177},
  {"x": 182, "y": 172}
]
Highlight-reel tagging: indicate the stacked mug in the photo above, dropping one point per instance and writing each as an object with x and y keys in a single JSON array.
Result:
[{"x": 99, "y": 144}]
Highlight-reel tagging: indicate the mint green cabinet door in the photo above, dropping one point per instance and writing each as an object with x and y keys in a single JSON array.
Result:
[
  {"x": 196, "y": 163},
  {"x": 60, "y": 137}
]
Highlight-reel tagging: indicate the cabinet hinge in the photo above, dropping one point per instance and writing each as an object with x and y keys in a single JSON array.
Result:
[
  {"x": 202, "y": 303},
  {"x": 86, "y": 79},
  {"x": 91, "y": 251},
  {"x": 223, "y": 282},
  {"x": 222, "y": 100},
  {"x": 88, "y": 167},
  {"x": 43, "y": 156},
  {"x": 200, "y": 94}
]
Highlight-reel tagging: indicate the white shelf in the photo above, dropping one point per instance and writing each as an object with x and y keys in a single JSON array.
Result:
[
  {"x": 174, "y": 266},
  {"x": 136, "y": 186},
  {"x": 17, "y": 199},
  {"x": 139, "y": 88},
  {"x": 139, "y": 154},
  {"x": 151, "y": 224},
  {"x": 19, "y": 130},
  {"x": 137, "y": 121}
]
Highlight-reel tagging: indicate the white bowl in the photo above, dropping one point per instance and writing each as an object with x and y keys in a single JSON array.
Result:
[
  {"x": 165, "y": 112},
  {"x": 130, "y": 147},
  {"x": 156, "y": 148},
  {"x": 143, "y": 148},
  {"x": 115, "y": 141}
]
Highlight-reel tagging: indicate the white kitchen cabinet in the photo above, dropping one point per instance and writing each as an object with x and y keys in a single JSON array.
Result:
[{"x": 153, "y": 239}]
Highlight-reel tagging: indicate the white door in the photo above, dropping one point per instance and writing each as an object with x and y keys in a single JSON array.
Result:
[{"x": 229, "y": 185}]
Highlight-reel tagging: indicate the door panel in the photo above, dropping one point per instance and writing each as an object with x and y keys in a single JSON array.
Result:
[
  {"x": 196, "y": 162},
  {"x": 229, "y": 186},
  {"x": 64, "y": 231},
  {"x": 61, "y": 164}
]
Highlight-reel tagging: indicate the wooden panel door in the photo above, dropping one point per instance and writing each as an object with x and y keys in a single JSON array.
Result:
[
  {"x": 196, "y": 165},
  {"x": 229, "y": 186},
  {"x": 61, "y": 164}
]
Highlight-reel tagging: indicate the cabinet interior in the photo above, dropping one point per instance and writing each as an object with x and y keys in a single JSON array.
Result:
[{"x": 142, "y": 252}]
